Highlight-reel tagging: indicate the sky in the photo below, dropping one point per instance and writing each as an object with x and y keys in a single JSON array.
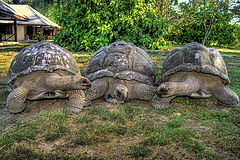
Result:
[{"x": 180, "y": 1}]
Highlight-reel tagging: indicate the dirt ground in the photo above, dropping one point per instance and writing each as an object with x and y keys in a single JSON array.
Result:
[{"x": 220, "y": 119}]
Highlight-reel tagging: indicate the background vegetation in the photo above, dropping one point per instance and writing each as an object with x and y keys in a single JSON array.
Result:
[
  {"x": 91, "y": 24},
  {"x": 190, "y": 129}
]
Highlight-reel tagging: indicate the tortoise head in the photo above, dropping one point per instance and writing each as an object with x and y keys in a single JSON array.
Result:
[{"x": 121, "y": 92}]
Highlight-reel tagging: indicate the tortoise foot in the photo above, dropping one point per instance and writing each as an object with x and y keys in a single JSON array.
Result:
[
  {"x": 73, "y": 110},
  {"x": 161, "y": 103},
  {"x": 16, "y": 100},
  {"x": 15, "y": 107}
]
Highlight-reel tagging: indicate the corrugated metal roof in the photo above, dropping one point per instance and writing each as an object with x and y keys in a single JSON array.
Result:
[
  {"x": 6, "y": 21},
  {"x": 7, "y": 9},
  {"x": 35, "y": 18}
]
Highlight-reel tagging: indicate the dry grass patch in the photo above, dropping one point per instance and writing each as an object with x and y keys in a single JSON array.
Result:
[{"x": 190, "y": 129}]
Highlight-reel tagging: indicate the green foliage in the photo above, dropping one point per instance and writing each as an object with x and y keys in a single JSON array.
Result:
[
  {"x": 93, "y": 24},
  {"x": 196, "y": 20},
  {"x": 175, "y": 122},
  {"x": 39, "y": 36},
  {"x": 18, "y": 1},
  {"x": 236, "y": 10}
]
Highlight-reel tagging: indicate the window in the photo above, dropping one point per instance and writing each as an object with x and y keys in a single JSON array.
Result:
[{"x": 6, "y": 28}]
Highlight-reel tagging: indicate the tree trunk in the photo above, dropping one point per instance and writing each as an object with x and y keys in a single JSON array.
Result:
[{"x": 208, "y": 30}]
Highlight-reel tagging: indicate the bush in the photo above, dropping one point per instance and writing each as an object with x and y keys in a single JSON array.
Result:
[{"x": 89, "y": 26}]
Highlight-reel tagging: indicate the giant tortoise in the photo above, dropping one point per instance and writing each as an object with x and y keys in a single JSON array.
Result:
[
  {"x": 119, "y": 72},
  {"x": 196, "y": 71},
  {"x": 45, "y": 70}
]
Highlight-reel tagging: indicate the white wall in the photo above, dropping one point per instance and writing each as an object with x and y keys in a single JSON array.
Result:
[{"x": 21, "y": 31}]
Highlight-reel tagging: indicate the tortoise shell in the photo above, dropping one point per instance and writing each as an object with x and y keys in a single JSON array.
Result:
[
  {"x": 195, "y": 57},
  {"x": 43, "y": 56},
  {"x": 121, "y": 60}
]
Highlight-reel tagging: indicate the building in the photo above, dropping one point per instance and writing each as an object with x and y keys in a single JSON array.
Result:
[
  {"x": 29, "y": 23},
  {"x": 8, "y": 13}
]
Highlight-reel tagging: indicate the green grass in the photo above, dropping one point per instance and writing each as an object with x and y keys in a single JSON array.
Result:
[
  {"x": 97, "y": 133},
  {"x": 139, "y": 151},
  {"x": 26, "y": 152},
  {"x": 191, "y": 128}
]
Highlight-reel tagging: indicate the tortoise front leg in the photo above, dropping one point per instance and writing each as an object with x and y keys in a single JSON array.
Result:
[
  {"x": 141, "y": 91},
  {"x": 16, "y": 99},
  {"x": 148, "y": 93},
  {"x": 161, "y": 102},
  {"x": 98, "y": 89},
  {"x": 69, "y": 82},
  {"x": 76, "y": 101}
]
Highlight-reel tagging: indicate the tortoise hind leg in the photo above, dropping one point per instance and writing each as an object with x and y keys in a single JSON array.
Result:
[
  {"x": 16, "y": 99},
  {"x": 226, "y": 96}
]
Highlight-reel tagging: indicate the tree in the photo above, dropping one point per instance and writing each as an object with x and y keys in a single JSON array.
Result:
[
  {"x": 235, "y": 9},
  {"x": 165, "y": 7},
  {"x": 203, "y": 21},
  {"x": 213, "y": 7}
]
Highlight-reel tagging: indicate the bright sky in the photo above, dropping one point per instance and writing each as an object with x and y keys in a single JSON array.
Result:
[{"x": 180, "y": 1}]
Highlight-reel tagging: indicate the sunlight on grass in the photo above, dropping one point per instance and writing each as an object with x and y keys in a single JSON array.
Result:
[
  {"x": 190, "y": 128},
  {"x": 229, "y": 50},
  {"x": 5, "y": 61}
]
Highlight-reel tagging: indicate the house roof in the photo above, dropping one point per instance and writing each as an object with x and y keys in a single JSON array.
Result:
[
  {"x": 7, "y": 12},
  {"x": 35, "y": 18}
]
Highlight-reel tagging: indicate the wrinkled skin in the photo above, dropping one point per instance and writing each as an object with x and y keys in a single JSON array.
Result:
[
  {"x": 118, "y": 91},
  {"x": 196, "y": 85},
  {"x": 44, "y": 85}
]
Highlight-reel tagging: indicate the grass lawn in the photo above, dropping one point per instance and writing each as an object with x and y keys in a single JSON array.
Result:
[{"x": 190, "y": 129}]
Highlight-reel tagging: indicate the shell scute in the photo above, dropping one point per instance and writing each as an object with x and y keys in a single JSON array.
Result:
[
  {"x": 43, "y": 56},
  {"x": 195, "y": 57},
  {"x": 121, "y": 60}
]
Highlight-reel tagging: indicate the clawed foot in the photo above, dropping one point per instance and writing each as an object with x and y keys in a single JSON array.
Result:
[
  {"x": 113, "y": 100},
  {"x": 15, "y": 108},
  {"x": 228, "y": 105},
  {"x": 87, "y": 103},
  {"x": 160, "y": 103},
  {"x": 72, "y": 110},
  {"x": 16, "y": 100}
]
